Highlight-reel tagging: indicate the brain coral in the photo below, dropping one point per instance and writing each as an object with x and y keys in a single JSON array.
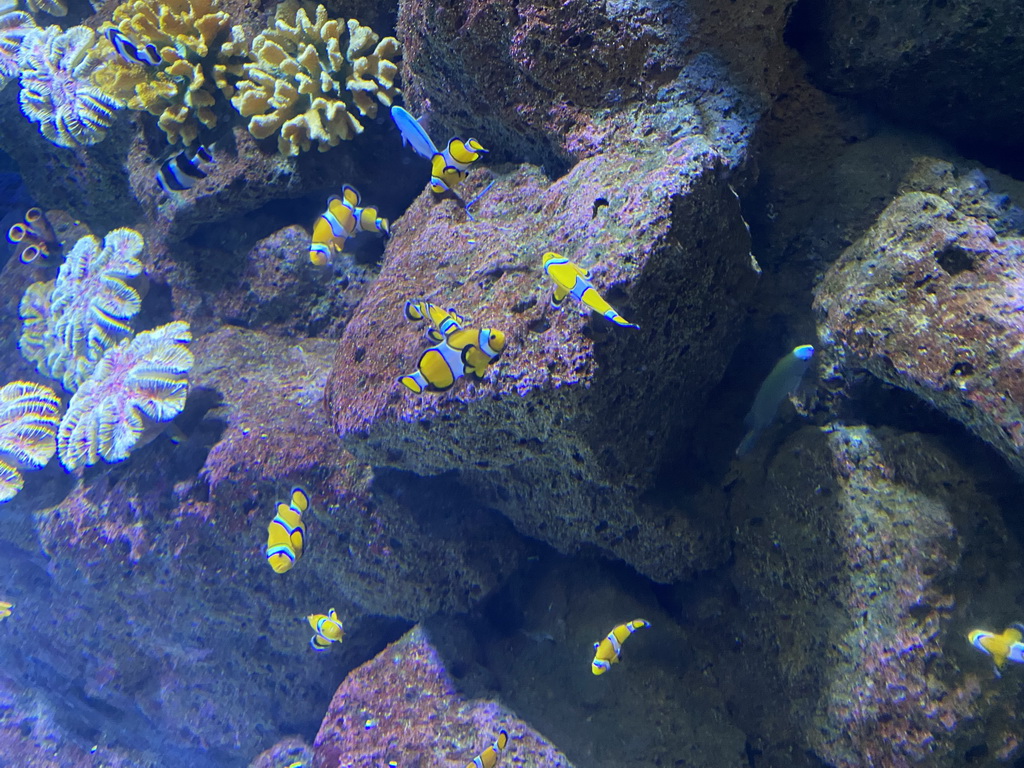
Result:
[
  {"x": 138, "y": 384},
  {"x": 68, "y": 323},
  {"x": 13, "y": 27},
  {"x": 305, "y": 87},
  {"x": 201, "y": 57},
  {"x": 28, "y": 423},
  {"x": 56, "y": 86}
]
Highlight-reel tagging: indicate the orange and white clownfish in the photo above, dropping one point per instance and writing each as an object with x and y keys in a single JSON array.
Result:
[
  {"x": 465, "y": 352},
  {"x": 443, "y": 322},
  {"x": 286, "y": 533},
  {"x": 33, "y": 238},
  {"x": 5, "y": 609},
  {"x": 1003, "y": 647},
  {"x": 327, "y": 628},
  {"x": 609, "y": 650},
  {"x": 572, "y": 280},
  {"x": 344, "y": 218},
  {"x": 450, "y": 166},
  {"x": 489, "y": 757}
]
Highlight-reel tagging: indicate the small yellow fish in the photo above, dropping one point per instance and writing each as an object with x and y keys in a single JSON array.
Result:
[
  {"x": 572, "y": 280},
  {"x": 328, "y": 630},
  {"x": 450, "y": 167},
  {"x": 489, "y": 757},
  {"x": 286, "y": 533},
  {"x": 609, "y": 650},
  {"x": 464, "y": 352},
  {"x": 5, "y": 609},
  {"x": 443, "y": 322},
  {"x": 33, "y": 238},
  {"x": 1007, "y": 646},
  {"x": 344, "y": 218}
]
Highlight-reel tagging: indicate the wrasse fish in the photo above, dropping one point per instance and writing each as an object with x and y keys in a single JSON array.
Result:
[
  {"x": 609, "y": 650},
  {"x": 781, "y": 382},
  {"x": 443, "y": 323},
  {"x": 448, "y": 167},
  {"x": 327, "y": 628},
  {"x": 489, "y": 757},
  {"x": 148, "y": 55},
  {"x": 1004, "y": 647},
  {"x": 344, "y": 218},
  {"x": 33, "y": 238},
  {"x": 572, "y": 280},
  {"x": 5, "y": 609},
  {"x": 413, "y": 133},
  {"x": 182, "y": 171},
  {"x": 286, "y": 533}
]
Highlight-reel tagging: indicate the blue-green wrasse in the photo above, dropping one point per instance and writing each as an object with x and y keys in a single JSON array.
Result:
[
  {"x": 781, "y": 382},
  {"x": 449, "y": 166}
]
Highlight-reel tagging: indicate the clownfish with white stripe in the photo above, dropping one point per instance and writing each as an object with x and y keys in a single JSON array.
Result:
[
  {"x": 448, "y": 167},
  {"x": 182, "y": 171},
  {"x": 489, "y": 757},
  {"x": 33, "y": 238},
  {"x": 443, "y": 322},
  {"x": 609, "y": 650},
  {"x": 344, "y": 218},
  {"x": 327, "y": 629},
  {"x": 147, "y": 55},
  {"x": 286, "y": 534},
  {"x": 5, "y": 609},
  {"x": 1001, "y": 647},
  {"x": 572, "y": 280}
]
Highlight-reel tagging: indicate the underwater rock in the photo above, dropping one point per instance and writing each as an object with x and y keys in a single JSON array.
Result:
[
  {"x": 404, "y": 706},
  {"x": 929, "y": 300},
  {"x": 863, "y": 558},
  {"x": 569, "y": 427},
  {"x": 292, "y": 752}
]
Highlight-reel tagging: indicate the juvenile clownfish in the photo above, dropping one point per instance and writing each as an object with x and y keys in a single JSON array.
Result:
[
  {"x": 609, "y": 650},
  {"x": 1004, "y": 647},
  {"x": 450, "y": 167},
  {"x": 344, "y": 218},
  {"x": 148, "y": 55},
  {"x": 182, "y": 171},
  {"x": 286, "y": 533},
  {"x": 5, "y": 609},
  {"x": 33, "y": 238},
  {"x": 489, "y": 757},
  {"x": 443, "y": 323},
  {"x": 572, "y": 280},
  {"x": 465, "y": 352},
  {"x": 327, "y": 628},
  {"x": 781, "y": 382}
]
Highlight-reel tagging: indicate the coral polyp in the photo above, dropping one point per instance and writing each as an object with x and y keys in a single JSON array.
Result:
[
  {"x": 28, "y": 424},
  {"x": 14, "y": 25}
]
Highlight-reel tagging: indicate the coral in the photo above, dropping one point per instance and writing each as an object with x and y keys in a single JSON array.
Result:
[
  {"x": 56, "y": 87},
  {"x": 14, "y": 25},
  {"x": 67, "y": 329},
  {"x": 28, "y": 424},
  {"x": 201, "y": 56},
  {"x": 303, "y": 85},
  {"x": 52, "y": 7},
  {"x": 138, "y": 384}
]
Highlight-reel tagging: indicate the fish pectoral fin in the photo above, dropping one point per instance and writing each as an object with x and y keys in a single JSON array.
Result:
[
  {"x": 434, "y": 336},
  {"x": 558, "y": 297}
]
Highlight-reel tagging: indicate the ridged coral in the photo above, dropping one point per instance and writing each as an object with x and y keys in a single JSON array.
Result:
[
  {"x": 137, "y": 385},
  {"x": 201, "y": 57},
  {"x": 69, "y": 323},
  {"x": 56, "y": 86},
  {"x": 52, "y": 7},
  {"x": 14, "y": 25},
  {"x": 28, "y": 424},
  {"x": 305, "y": 87}
]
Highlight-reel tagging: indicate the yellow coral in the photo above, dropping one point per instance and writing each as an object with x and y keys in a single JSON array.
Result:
[
  {"x": 304, "y": 87},
  {"x": 201, "y": 57}
]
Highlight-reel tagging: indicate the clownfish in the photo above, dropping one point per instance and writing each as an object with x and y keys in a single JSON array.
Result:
[
  {"x": 327, "y": 628},
  {"x": 448, "y": 167},
  {"x": 182, "y": 171},
  {"x": 489, "y": 757},
  {"x": 33, "y": 237},
  {"x": 609, "y": 650},
  {"x": 780, "y": 383},
  {"x": 443, "y": 323},
  {"x": 1008, "y": 646},
  {"x": 5, "y": 609},
  {"x": 572, "y": 280},
  {"x": 344, "y": 218},
  {"x": 464, "y": 352},
  {"x": 286, "y": 533},
  {"x": 147, "y": 55}
]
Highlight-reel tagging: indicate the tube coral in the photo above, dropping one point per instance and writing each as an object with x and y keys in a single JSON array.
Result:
[{"x": 28, "y": 424}]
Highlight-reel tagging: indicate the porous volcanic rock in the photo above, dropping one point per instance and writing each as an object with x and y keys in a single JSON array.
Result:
[{"x": 566, "y": 432}]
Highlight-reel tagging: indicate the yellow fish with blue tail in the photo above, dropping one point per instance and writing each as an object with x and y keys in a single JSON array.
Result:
[
  {"x": 286, "y": 534},
  {"x": 609, "y": 650},
  {"x": 465, "y": 352},
  {"x": 489, "y": 757},
  {"x": 5, "y": 609},
  {"x": 344, "y": 218},
  {"x": 572, "y": 280},
  {"x": 1005, "y": 646},
  {"x": 327, "y": 629},
  {"x": 443, "y": 322}
]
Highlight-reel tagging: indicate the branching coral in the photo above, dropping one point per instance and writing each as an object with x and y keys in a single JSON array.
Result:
[
  {"x": 138, "y": 384},
  {"x": 201, "y": 57},
  {"x": 14, "y": 25},
  {"x": 56, "y": 87},
  {"x": 28, "y": 424},
  {"x": 305, "y": 87}
]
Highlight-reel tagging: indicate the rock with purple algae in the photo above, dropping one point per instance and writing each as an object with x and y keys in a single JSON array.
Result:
[
  {"x": 863, "y": 559},
  {"x": 287, "y": 753},
  {"x": 929, "y": 300},
  {"x": 404, "y": 706},
  {"x": 568, "y": 428}
]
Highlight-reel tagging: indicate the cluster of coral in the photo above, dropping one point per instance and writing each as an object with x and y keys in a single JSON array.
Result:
[{"x": 29, "y": 414}]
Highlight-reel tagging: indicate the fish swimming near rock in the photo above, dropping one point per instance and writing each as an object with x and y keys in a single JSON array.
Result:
[
  {"x": 1003, "y": 647},
  {"x": 443, "y": 322},
  {"x": 609, "y": 650},
  {"x": 286, "y": 534},
  {"x": 33, "y": 238},
  {"x": 489, "y": 757},
  {"x": 327, "y": 629},
  {"x": 147, "y": 55},
  {"x": 781, "y": 382},
  {"x": 5, "y": 609},
  {"x": 413, "y": 133},
  {"x": 184, "y": 170},
  {"x": 344, "y": 218},
  {"x": 449, "y": 166},
  {"x": 572, "y": 280}
]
